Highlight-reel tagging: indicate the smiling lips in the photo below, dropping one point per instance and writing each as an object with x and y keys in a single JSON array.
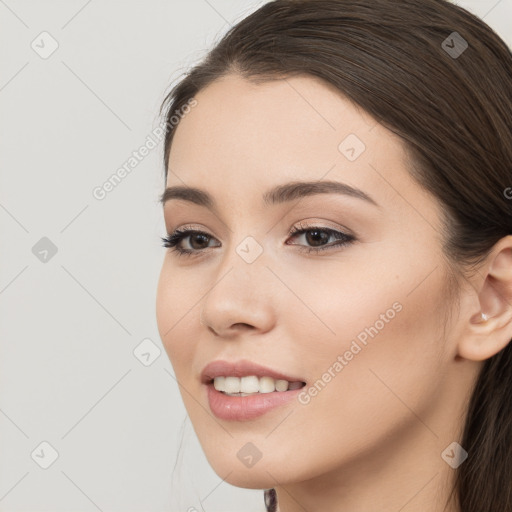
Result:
[{"x": 244, "y": 390}]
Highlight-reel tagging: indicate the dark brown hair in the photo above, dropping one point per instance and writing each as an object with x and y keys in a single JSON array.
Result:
[{"x": 452, "y": 105}]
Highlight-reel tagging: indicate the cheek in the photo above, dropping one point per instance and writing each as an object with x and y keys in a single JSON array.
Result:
[
  {"x": 394, "y": 327},
  {"x": 381, "y": 363}
]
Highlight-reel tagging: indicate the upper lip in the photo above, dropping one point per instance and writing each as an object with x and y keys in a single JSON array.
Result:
[{"x": 241, "y": 368}]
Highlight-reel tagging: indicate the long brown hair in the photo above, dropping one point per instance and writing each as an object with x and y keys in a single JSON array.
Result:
[{"x": 449, "y": 96}]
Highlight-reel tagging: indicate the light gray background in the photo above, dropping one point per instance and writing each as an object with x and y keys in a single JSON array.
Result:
[{"x": 69, "y": 325}]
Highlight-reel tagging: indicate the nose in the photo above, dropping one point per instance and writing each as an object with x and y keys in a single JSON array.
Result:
[{"x": 240, "y": 300}]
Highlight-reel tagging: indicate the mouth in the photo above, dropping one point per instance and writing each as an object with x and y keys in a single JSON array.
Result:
[
  {"x": 243, "y": 406},
  {"x": 244, "y": 390},
  {"x": 249, "y": 385}
]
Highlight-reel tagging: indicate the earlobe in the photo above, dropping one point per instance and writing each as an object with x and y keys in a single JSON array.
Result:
[
  {"x": 489, "y": 329},
  {"x": 484, "y": 338}
]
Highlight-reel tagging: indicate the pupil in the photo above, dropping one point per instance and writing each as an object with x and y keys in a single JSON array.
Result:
[
  {"x": 198, "y": 236},
  {"x": 323, "y": 237}
]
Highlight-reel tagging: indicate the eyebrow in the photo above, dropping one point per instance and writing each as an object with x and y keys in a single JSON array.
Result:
[{"x": 278, "y": 195}]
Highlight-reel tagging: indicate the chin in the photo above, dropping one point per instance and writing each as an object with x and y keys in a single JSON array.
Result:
[
  {"x": 250, "y": 478},
  {"x": 261, "y": 475}
]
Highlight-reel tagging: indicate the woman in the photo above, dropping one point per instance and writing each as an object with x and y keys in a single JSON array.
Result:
[{"x": 336, "y": 299}]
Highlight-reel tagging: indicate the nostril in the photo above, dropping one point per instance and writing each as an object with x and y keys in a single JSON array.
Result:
[{"x": 243, "y": 325}]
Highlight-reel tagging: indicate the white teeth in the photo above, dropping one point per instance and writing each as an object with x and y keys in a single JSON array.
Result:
[
  {"x": 232, "y": 385},
  {"x": 218, "y": 383},
  {"x": 282, "y": 385},
  {"x": 251, "y": 384},
  {"x": 267, "y": 385}
]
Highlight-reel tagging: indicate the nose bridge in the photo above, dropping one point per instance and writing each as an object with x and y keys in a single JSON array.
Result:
[
  {"x": 247, "y": 250},
  {"x": 243, "y": 270},
  {"x": 242, "y": 290}
]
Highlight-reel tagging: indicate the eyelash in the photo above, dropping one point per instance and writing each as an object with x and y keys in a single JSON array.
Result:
[{"x": 171, "y": 241}]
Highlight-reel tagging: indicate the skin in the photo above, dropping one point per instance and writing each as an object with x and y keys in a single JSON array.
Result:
[{"x": 372, "y": 438}]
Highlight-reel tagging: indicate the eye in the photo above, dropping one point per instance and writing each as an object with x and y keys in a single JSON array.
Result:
[
  {"x": 196, "y": 237},
  {"x": 315, "y": 235}
]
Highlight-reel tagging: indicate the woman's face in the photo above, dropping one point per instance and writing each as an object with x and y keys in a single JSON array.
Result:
[{"x": 361, "y": 322}]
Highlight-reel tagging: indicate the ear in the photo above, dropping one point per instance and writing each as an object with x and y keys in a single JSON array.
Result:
[{"x": 481, "y": 338}]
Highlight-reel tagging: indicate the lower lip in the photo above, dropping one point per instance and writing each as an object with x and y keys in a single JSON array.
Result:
[{"x": 244, "y": 408}]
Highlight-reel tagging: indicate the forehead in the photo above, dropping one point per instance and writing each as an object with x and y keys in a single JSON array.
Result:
[
  {"x": 298, "y": 117},
  {"x": 244, "y": 137}
]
